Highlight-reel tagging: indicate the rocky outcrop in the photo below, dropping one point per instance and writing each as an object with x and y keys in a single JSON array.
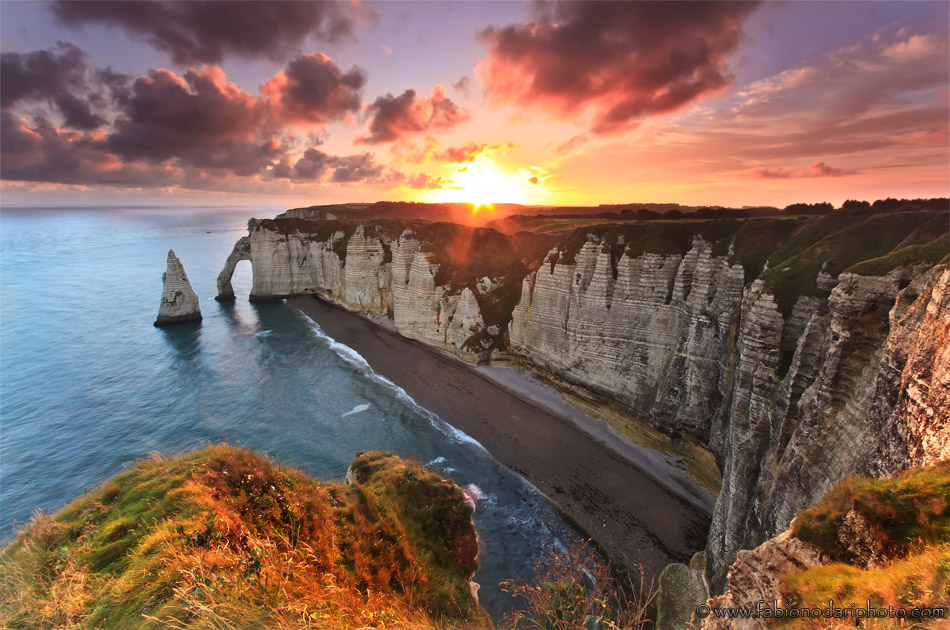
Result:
[
  {"x": 791, "y": 392},
  {"x": 241, "y": 251},
  {"x": 681, "y": 589},
  {"x": 370, "y": 271},
  {"x": 858, "y": 382},
  {"x": 755, "y": 579},
  {"x": 179, "y": 302}
]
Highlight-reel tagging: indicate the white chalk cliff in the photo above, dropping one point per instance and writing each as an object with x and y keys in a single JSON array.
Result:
[
  {"x": 179, "y": 302},
  {"x": 851, "y": 381},
  {"x": 369, "y": 271}
]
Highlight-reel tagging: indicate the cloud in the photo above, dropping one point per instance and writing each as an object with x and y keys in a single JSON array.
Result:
[
  {"x": 430, "y": 150},
  {"x": 196, "y": 130},
  {"x": 613, "y": 61},
  {"x": 313, "y": 90},
  {"x": 463, "y": 154},
  {"x": 422, "y": 181},
  {"x": 314, "y": 165},
  {"x": 393, "y": 117},
  {"x": 200, "y": 120},
  {"x": 356, "y": 168},
  {"x": 208, "y": 31},
  {"x": 50, "y": 76},
  {"x": 43, "y": 153},
  {"x": 462, "y": 85},
  {"x": 817, "y": 169}
]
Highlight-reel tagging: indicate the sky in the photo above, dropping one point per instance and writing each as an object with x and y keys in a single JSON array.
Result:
[{"x": 586, "y": 103}]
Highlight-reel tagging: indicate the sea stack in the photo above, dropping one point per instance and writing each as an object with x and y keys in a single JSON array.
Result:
[{"x": 179, "y": 302}]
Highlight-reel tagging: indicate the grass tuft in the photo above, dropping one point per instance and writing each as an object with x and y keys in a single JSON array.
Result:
[{"x": 222, "y": 538}]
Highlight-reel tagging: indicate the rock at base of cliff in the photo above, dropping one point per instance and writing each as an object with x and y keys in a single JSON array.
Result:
[
  {"x": 179, "y": 302},
  {"x": 682, "y": 589}
]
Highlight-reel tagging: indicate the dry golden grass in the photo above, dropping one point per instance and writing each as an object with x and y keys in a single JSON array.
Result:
[{"x": 223, "y": 539}]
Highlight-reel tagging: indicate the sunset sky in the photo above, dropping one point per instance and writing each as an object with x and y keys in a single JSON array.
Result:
[{"x": 304, "y": 103}]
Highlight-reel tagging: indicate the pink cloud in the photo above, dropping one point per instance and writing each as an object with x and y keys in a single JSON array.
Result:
[
  {"x": 313, "y": 90},
  {"x": 817, "y": 169},
  {"x": 616, "y": 61},
  {"x": 394, "y": 117}
]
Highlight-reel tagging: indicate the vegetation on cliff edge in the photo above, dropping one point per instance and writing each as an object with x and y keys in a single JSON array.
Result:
[
  {"x": 223, "y": 538},
  {"x": 888, "y": 541}
]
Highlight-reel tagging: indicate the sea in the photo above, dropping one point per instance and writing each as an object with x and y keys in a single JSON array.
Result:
[{"x": 88, "y": 385}]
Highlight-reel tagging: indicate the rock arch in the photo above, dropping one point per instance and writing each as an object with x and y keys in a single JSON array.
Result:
[{"x": 241, "y": 251}]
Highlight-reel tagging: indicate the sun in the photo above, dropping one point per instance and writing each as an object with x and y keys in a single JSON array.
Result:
[{"x": 482, "y": 183}]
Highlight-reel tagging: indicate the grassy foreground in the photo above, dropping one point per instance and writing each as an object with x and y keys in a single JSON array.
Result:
[
  {"x": 223, "y": 538},
  {"x": 888, "y": 541}
]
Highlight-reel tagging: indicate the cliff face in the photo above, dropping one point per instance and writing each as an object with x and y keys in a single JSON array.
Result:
[
  {"x": 654, "y": 336},
  {"x": 371, "y": 269},
  {"x": 179, "y": 302},
  {"x": 795, "y": 376},
  {"x": 855, "y": 383}
]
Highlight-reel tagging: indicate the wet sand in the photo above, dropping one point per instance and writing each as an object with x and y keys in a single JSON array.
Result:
[{"x": 618, "y": 503}]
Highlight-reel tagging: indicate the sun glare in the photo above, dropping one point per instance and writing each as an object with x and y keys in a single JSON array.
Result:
[{"x": 483, "y": 184}]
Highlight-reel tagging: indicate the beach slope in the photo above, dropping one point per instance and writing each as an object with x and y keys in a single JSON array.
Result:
[{"x": 628, "y": 512}]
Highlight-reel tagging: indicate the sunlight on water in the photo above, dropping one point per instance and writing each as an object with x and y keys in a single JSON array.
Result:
[{"x": 89, "y": 385}]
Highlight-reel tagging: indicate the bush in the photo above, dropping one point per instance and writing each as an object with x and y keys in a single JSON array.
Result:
[{"x": 574, "y": 590}]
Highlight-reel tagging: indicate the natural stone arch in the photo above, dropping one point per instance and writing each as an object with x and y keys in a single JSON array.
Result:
[{"x": 241, "y": 251}]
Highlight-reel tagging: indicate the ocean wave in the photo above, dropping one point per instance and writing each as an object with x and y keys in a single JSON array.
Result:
[
  {"x": 356, "y": 409},
  {"x": 355, "y": 359}
]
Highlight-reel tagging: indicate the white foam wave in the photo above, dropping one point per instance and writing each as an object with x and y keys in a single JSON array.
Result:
[
  {"x": 355, "y": 359},
  {"x": 264, "y": 333},
  {"x": 356, "y": 409}
]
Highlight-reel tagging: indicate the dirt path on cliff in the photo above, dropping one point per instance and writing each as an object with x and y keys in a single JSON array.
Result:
[{"x": 619, "y": 504}]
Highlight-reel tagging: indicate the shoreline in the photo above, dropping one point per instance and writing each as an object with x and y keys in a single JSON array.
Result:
[{"x": 632, "y": 514}]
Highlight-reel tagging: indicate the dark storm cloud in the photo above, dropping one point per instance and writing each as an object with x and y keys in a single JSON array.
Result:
[
  {"x": 396, "y": 116},
  {"x": 314, "y": 90},
  {"x": 617, "y": 61},
  {"x": 42, "y": 153},
  {"x": 202, "y": 120},
  {"x": 208, "y": 31},
  {"x": 52, "y": 76},
  {"x": 315, "y": 164}
]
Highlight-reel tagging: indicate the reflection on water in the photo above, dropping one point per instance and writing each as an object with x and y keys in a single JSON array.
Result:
[
  {"x": 184, "y": 338},
  {"x": 90, "y": 385}
]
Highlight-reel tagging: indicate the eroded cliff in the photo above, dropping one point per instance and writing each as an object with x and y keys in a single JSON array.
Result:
[
  {"x": 179, "y": 302},
  {"x": 449, "y": 286},
  {"x": 799, "y": 349},
  {"x": 795, "y": 380}
]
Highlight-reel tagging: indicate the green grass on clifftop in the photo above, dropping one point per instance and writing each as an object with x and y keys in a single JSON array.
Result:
[
  {"x": 912, "y": 507},
  {"x": 903, "y": 528},
  {"x": 223, "y": 538}
]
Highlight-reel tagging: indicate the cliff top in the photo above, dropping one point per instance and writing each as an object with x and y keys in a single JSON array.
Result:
[
  {"x": 224, "y": 538},
  {"x": 886, "y": 541}
]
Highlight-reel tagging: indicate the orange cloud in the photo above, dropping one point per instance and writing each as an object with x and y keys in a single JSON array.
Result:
[
  {"x": 393, "y": 117},
  {"x": 615, "y": 61}
]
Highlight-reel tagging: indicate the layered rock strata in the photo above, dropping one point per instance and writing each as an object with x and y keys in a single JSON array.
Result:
[
  {"x": 368, "y": 271},
  {"x": 755, "y": 579},
  {"x": 179, "y": 302},
  {"x": 855, "y": 382}
]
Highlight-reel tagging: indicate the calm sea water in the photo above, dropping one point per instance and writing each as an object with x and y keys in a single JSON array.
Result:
[{"x": 88, "y": 385}]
